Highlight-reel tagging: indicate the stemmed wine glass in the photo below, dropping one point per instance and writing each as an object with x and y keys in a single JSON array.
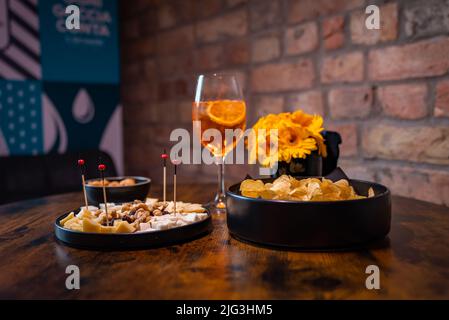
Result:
[{"x": 219, "y": 105}]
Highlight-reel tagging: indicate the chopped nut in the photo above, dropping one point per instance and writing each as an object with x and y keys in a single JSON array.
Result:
[
  {"x": 141, "y": 213},
  {"x": 114, "y": 214},
  {"x": 142, "y": 206},
  {"x": 97, "y": 213},
  {"x": 130, "y": 219}
]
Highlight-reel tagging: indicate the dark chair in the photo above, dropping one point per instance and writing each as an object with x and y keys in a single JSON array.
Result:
[{"x": 25, "y": 177}]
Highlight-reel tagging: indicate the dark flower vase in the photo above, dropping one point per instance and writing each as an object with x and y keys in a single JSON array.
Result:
[{"x": 314, "y": 164}]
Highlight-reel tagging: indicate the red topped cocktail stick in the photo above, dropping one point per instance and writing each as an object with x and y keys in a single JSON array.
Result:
[
  {"x": 175, "y": 162},
  {"x": 164, "y": 156},
  {"x": 81, "y": 164},
  {"x": 101, "y": 168}
]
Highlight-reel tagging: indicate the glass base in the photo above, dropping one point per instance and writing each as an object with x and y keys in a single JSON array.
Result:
[{"x": 219, "y": 204}]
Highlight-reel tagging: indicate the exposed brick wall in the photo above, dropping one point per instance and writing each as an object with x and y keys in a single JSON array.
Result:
[{"x": 385, "y": 91}]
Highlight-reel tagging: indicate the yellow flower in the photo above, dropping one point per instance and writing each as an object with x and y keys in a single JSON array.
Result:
[
  {"x": 302, "y": 118},
  {"x": 299, "y": 134}
]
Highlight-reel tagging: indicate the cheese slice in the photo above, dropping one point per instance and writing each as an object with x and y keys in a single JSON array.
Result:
[
  {"x": 70, "y": 216},
  {"x": 90, "y": 225},
  {"x": 124, "y": 227},
  {"x": 84, "y": 214},
  {"x": 108, "y": 229}
]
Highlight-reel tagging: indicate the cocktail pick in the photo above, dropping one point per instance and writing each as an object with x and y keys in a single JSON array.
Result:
[
  {"x": 101, "y": 168},
  {"x": 175, "y": 162},
  {"x": 81, "y": 163},
  {"x": 164, "y": 156}
]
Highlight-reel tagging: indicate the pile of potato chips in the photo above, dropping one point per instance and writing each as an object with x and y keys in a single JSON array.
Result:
[{"x": 310, "y": 189}]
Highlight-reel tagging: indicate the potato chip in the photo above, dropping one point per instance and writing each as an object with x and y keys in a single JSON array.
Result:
[
  {"x": 252, "y": 185},
  {"x": 298, "y": 192},
  {"x": 268, "y": 194},
  {"x": 250, "y": 194},
  {"x": 251, "y": 188},
  {"x": 268, "y": 185},
  {"x": 281, "y": 185},
  {"x": 309, "y": 189},
  {"x": 313, "y": 189},
  {"x": 342, "y": 183}
]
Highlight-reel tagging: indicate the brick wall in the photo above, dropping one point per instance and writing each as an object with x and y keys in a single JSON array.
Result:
[{"x": 386, "y": 91}]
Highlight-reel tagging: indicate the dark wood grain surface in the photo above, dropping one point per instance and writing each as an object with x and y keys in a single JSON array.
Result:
[{"x": 413, "y": 260}]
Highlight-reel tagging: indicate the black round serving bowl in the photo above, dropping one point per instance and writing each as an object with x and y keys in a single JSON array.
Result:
[
  {"x": 123, "y": 241},
  {"x": 139, "y": 191},
  {"x": 311, "y": 225}
]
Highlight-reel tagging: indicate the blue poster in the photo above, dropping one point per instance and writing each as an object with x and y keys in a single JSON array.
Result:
[
  {"x": 90, "y": 53},
  {"x": 59, "y": 88}
]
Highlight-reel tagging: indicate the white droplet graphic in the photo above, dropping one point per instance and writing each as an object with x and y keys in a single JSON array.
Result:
[
  {"x": 112, "y": 139},
  {"x": 53, "y": 127},
  {"x": 83, "y": 109}
]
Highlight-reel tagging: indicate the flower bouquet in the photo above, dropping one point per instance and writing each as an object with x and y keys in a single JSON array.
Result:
[{"x": 303, "y": 147}]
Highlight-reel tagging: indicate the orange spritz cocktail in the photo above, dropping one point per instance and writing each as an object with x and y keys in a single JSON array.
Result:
[{"x": 220, "y": 115}]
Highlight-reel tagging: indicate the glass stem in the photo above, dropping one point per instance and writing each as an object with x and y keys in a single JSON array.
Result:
[
  {"x": 220, "y": 199},
  {"x": 221, "y": 184}
]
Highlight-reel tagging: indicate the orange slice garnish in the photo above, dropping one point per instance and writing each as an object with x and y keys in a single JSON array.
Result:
[{"x": 227, "y": 112}]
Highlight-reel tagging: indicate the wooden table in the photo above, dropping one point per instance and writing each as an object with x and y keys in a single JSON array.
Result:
[{"x": 414, "y": 261}]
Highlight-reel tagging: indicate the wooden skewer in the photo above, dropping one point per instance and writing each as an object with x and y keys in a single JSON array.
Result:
[
  {"x": 102, "y": 167},
  {"x": 83, "y": 180},
  {"x": 175, "y": 163},
  {"x": 84, "y": 191},
  {"x": 165, "y": 185},
  {"x": 164, "y": 156},
  {"x": 174, "y": 193}
]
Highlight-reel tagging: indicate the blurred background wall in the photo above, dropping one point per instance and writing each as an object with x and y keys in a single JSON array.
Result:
[{"x": 386, "y": 92}]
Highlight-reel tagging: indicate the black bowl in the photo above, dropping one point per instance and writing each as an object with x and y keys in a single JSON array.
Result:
[
  {"x": 139, "y": 191},
  {"x": 311, "y": 225}
]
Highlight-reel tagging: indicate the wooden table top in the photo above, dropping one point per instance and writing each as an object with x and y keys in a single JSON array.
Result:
[{"x": 413, "y": 261}]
